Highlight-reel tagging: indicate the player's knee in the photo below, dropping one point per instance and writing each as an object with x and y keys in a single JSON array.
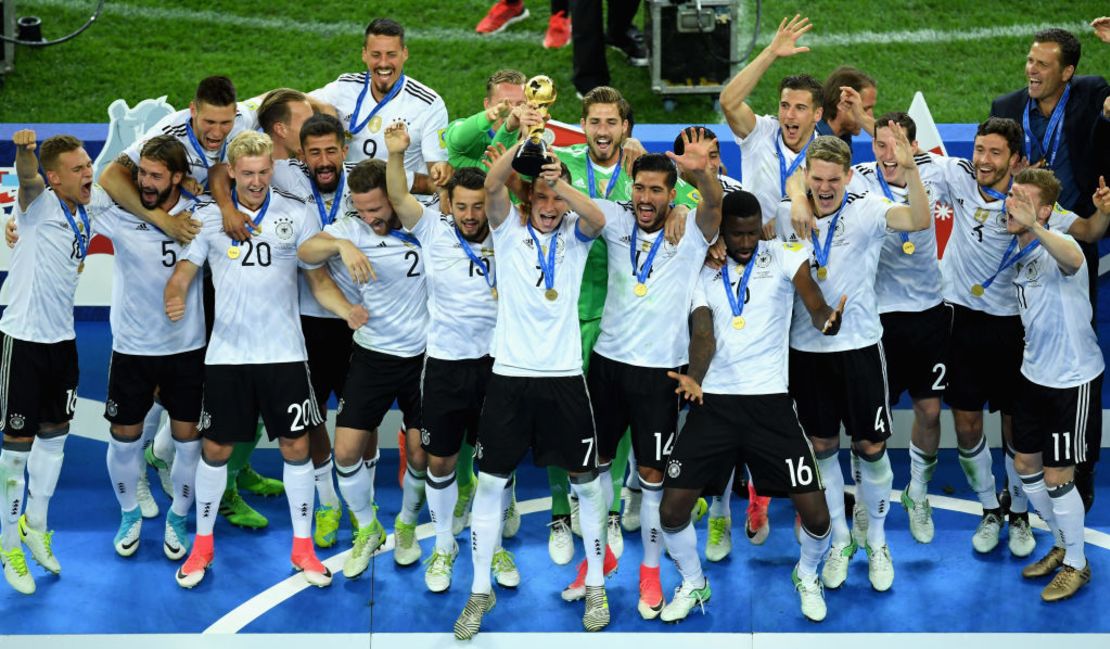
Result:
[
  {"x": 215, "y": 453},
  {"x": 674, "y": 512},
  {"x": 440, "y": 466},
  {"x": 1025, "y": 464},
  {"x": 126, "y": 433},
  {"x": 294, "y": 449},
  {"x": 648, "y": 474},
  {"x": 927, "y": 413},
  {"x": 823, "y": 446},
  {"x": 1058, "y": 476}
]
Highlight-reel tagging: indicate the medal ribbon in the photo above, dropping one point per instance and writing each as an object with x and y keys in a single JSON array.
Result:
[
  {"x": 822, "y": 253},
  {"x": 261, "y": 212},
  {"x": 82, "y": 241},
  {"x": 356, "y": 126},
  {"x": 784, "y": 171},
  {"x": 491, "y": 281},
  {"x": 644, "y": 271},
  {"x": 736, "y": 302},
  {"x": 405, "y": 236},
  {"x": 1051, "y": 132},
  {"x": 327, "y": 218},
  {"x": 547, "y": 267},
  {"x": 1008, "y": 261},
  {"x": 200, "y": 150},
  {"x": 889, "y": 196},
  {"x": 592, "y": 184}
]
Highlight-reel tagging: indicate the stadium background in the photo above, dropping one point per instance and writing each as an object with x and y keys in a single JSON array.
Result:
[{"x": 959, "y": 54}]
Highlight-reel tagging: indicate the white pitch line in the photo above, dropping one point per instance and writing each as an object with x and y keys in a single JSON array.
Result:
[
  {"x": 255, "y": 607},
  {"x": 352, "y": 28}
]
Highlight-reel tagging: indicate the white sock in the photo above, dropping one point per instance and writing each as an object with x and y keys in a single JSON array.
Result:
[
  {"x": 874, "y": 489},
  {"x": 371, "y": 475},
  {"x": 443, "y": 493},
  {"x": 833, "y": 479},
  {"x": 1067, "y": 509},
  {"x": 412, "y": 495},
  {"x": 355, "y": 485},
  {"x": 593, "y": 510},
  {"x": 301, "y": 493},
  {"x": 485, "y": 528},
  {"x": 13, "y": 464},
  {"x": 605, "y": 473},
  {"x": 164, "y": 447},
  {"x": 210, "y": 484},
  {"x": 1035, "y": 490},
  {"x": 507, "y": 497},
  {"x": 183, "y": 474},
  {"x": 325, "y": 488},
  {"x": 922, "y": 466},
  {"x": 682, "y": 545},
  {"x": 976, "y": 464},
  {"x": 650, "y": 528},
  {"x": 632, "y": 482},
  {"x": 150, "y": 424},
  {"x": 125, "y": 461},
  {"x": 854, "y": 463},
  {"x": 813, "y": 549},
  {"x": 719, "y": 507},
  {"x": 44, "y": 465},
  {"x": 1019, "y": 504}
]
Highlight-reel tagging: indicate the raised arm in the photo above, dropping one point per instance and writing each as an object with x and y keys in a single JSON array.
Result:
[
  {"x": 118, "y": 181},
  {"x": 1091, "y": 229},
  {"x": 734, "y": 98},
  {"x": 1067, "y": 253},
  {"x": 497, "y": 195},
  {"x": 327, "y": 293},
  {"x": 31, "y": 183},
  {"x": 407, "y": 208},
  {"x": 323, "y": 246},
  {"x": 916, "y": 215},
  {"x": 824, "y": 318},
  {"x": 592, "y": 219},
  {"x": 177, "y": 289},
  {"x": 695, "y": 157}
]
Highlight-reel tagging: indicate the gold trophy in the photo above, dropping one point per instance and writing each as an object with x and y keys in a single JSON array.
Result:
[{"x": 532, "y": 155}]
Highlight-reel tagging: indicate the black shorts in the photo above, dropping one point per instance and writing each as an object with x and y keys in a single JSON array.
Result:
[
  {"x": 132, "y": 380},
  {"x": 451, "y": 398},
  {"x": 328, "y": 343},
  {"x": 38, "y": 384},
  {"x": 1057, "y": 422},
  {"x": 374, "y": 381},
  {"x": 848, "y": 387},
  {"x": 984, "y": 363},
  {"x": 761, "y": 431},
  {"x": 550, "y": 415},
  {"x": 641, "y": 398},
  {"x": 235, "y": 395},
  {"x": 916, "y": 348}
]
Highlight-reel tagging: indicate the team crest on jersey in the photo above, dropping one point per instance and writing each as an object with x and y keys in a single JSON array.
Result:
[
  {"x": 283, "y": 228},
  {"x": 112, "y": 408},
  {"x": 16, "y": 422},
  {"x": 1030, "y": 271},
  {"x": 674, "y": 469},
  {"x": 763, "y": 260}
]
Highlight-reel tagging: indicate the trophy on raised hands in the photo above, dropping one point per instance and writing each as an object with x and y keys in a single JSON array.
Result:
[{"x": 532, "y": 155}]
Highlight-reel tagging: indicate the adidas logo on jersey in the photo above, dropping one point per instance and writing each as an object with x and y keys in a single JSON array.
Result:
[
  {"x": 143, "y": 227},
  {"x": 383, "y": 245}
]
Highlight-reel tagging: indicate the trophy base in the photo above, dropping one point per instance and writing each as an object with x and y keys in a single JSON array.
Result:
[{"x": 530, "y": 159}]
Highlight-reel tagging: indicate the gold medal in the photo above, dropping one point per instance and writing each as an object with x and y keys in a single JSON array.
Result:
[
  {"x": 977, "y": 290},
  {"x": 738, "y": 322},
  {"x": 233, "y": 252},
  {"x": 257, "y": 230},
  {"x": 640, "y": 289},
  {"x": 493, "y": 292},
  {"x": 823, "y": 272},
  {"x": 908, "y": 247},
  {"x": 80, "y": 267},
  {"x": 551, "y": 294}
]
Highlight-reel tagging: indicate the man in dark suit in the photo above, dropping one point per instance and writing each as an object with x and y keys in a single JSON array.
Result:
[{"x": 1066, "y": 119}]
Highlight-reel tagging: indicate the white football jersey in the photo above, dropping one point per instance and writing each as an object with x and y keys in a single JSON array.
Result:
[
  {"x": 729, "y": 184},
  {"x": 905, "y": 282},
  {"x": 1061, "y": 348},
  {"x": 42, "y": 274},
  {"x": 461, "y": 305},
  {"x": 759, "y": 161},
  {"x": 536, "y": 336},
  {"x": 653, "y": 330},
  {"x": 415, "y": 104},
  {"x": 144, "y": 261},
  {"x": 852, "y": 265},
  {"x": 752, "y": 360},
  {"x": 397, "y": 300},
  {"x": 257, "y": 317},
  {"x": 292, "y": 176},
  {"x": 200, "y": 159}
]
